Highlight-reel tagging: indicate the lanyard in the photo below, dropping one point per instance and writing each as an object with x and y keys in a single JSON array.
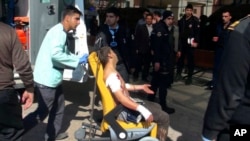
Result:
[{"x": 112, "y": 32}]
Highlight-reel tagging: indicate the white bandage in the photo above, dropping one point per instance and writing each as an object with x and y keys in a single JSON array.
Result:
[
  {"x": 145, "y": 112},
  {"x": 113, "y": 82}
]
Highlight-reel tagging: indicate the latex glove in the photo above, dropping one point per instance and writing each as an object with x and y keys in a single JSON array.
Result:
[{"x": 84, "y": 59}]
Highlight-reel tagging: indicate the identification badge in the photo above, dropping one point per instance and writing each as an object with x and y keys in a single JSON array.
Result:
[
  {"x": 113, "y": 44},
  {"x": 158, "y": 34}
]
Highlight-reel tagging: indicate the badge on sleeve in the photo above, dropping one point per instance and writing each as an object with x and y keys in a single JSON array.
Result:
[
  {"x": 190, "y": 25},
  {"x": 158, "y": 34}
]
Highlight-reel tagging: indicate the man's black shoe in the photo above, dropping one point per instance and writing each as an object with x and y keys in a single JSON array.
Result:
[
  {"x": 178, "y": 77},
  {"x": 62, "y": 136},
  {"x": 209, "y": 87},
  {"x": 188, "y": 81},
  {"x": 168, "y": 110}
]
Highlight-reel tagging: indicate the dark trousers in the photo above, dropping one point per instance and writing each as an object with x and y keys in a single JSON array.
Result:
[
  {"x": 187, "y": 52},
  {"x": 11, "y": 125},
  {"x": 143, "y": 65},
  {"x": 217, "y": 61},
  {"x": 172, "y": 68},
  {"x": 224, "y": 135},
  {"x": 50, "y": 103},
  {"x": 160, "y": 81}
]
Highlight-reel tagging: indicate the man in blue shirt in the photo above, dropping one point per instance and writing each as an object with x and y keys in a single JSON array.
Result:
[{"x": 52, "y": 58}]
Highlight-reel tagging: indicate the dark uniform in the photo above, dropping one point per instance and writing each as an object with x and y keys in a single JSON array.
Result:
[
  {"x": 229, "y": 103},
  {"x": 188, "y": 29},
  {"x": 172, "y": 42},
  {"x": 121, "y": 48},
  {"x": 162, "y": 54}
]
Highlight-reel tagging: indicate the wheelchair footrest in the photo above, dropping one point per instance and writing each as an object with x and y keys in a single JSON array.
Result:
[{"x": 132, "y": 134}]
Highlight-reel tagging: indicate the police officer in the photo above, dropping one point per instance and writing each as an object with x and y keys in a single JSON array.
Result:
[
  {"x": 162, "y": 60},
  {"x": 189, "y": 38},
  {"x": 229, "y": 103}
]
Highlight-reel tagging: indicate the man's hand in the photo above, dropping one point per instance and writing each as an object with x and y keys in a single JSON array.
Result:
[
  {"x": 146, "y": 89},
  {"x": 178, "y": 54},
  {"x": 194, "y": 45},
  {"x": 150, "y": 119},
  {"x": 27, "y": 99},
  {"x": 215, "y": 39},
  {"x": 157, "y": 66}
]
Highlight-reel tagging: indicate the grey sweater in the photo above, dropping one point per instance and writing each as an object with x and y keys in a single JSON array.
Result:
[{"x": 13, "y": 56}]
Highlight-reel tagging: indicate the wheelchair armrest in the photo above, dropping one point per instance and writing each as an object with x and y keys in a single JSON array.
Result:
[{"x": 111, "y": 120}]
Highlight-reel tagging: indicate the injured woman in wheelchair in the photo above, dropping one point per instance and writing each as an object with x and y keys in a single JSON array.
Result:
[{"x": 135, "y": 111}]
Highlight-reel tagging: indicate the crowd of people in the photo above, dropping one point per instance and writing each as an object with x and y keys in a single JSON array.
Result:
[
  {"x": 154, "y": 46},
  {"x": 158, "y": 45}
]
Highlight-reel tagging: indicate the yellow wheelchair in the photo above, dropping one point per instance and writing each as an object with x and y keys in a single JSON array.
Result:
[{"x": 118, "y": 130}]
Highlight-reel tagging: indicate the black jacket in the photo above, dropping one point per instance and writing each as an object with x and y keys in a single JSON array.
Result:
[
  {"x": 142, "y": 39},
  {"x": 230, "y": 100},
  {"x": 188, "y": 29},
  {"x": 161, "y": 46}
]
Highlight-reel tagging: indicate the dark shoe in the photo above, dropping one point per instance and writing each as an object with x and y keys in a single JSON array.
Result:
[
  {"x": 188, "y": 81},
  {"x": 62, "y": 136},
  {"x": 178, "y": 77},
  {"x": 168, "y": 110},
  {"x": 209, "y": 87}
]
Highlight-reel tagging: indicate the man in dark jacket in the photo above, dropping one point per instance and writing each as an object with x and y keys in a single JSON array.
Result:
[
  {"x": 189, "y": 38},
  {"x": 229, "y": 104},
  {"x": 117, "y": 37},
  {"x": 13, "y": 56},
  {"x": 220, "y": 37},
  {"x": 162, "y": 60},
  {"x": 143, "y": 50}
]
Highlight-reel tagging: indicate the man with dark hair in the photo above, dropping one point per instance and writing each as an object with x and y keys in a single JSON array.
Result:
[
  {"x": 117, "y": 37},
  {"x": 188, "y": 41},
  {"x": 120, "y": 90},
  {"x": 143, "y": 49},
  {"x": 51, "y": 60},
  {"x": 142, "y": 20},
  {"x": 156, "y": 17},
  {"x": 12, "y": 56},
  {"x": 220, "y": 37},
  {"x": 229, "y": 105}
]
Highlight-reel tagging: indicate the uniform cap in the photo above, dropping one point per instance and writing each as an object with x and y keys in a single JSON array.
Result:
[{"x": 167, "y": 14}]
